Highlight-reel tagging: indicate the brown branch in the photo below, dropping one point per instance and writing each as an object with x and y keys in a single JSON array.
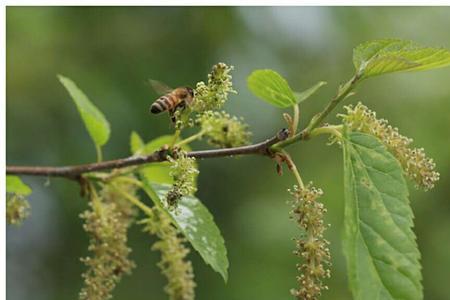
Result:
[{"x": 74, "y": 172}]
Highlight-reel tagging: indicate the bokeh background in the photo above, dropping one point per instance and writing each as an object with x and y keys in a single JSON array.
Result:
[{"x": 111, "y": 52}]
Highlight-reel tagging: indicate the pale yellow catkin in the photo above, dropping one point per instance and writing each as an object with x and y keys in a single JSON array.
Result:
[
  {"x": 312, "y": 247},
  {"x": 416, "y": 165},
  {"x": 174, "y": 265},
  {"x": 107, "y": 221}
]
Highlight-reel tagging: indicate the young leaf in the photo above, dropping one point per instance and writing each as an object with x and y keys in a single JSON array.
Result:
[
  {"x": 302, "y": 96},
  {"x": 94, "y": 120},
  {"x": 197, "y": 224},
  {"x": 136, "y": 143},
  {"x": 15, "y": 185},
  {"x": 271, "y": 87},
  {"x": 379, "y": 244},
  {"x": 391, "y": 55}
]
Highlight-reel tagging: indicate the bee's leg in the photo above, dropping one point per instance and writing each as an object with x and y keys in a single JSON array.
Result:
[
  {"x": 172, "y": 115},
  {"x": 181, "y": 105}
]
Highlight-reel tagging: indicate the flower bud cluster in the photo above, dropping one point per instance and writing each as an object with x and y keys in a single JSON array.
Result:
[
  {"x": 183, "y": 118},
  {"x": 175, "y": 268},
  {"x": 224, "y": 130},
  {"x": 183, "y": 172},
  {"x": 17, "y": 209},
  {"x": 107, "y": 223},
  {"x": 311, "y": 247},
  {"x": 414, "y": 161},
  {"x": 214, "y": 94}
]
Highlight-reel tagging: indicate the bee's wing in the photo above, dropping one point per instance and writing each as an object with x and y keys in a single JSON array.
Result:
[{"x": 159, "y": 87}]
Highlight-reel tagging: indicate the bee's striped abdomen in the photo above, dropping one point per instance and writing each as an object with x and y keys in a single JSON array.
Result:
[{"x": 164, "y": 103}]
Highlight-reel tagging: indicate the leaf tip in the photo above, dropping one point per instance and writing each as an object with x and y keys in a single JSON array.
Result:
[
  {"x": 224, "y": 275},
  {"x": 61, "y": 78}
]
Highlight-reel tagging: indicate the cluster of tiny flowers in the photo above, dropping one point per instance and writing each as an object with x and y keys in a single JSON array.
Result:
[
  {"x": 107, "y": 227},
  {"x": 175, "y": 268},
  {"x": 311, "y": 247},
  {"x": 214, "y": 94},
  {"x": 183, "y": 172},
  {"x": 17, "y": 209},
  {"x": 224, "y": 130},
  {"x": 182, "y": 118},
  {"x": 414, "y": 161}
]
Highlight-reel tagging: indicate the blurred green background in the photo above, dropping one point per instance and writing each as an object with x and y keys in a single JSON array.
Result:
[{"x": 110, "y": 52}]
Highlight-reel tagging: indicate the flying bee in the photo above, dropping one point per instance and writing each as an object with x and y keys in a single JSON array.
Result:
[{"x": 171, "y": 99}]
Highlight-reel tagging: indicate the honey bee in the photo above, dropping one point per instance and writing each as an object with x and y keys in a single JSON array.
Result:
[{"x": 171, "y": 99}]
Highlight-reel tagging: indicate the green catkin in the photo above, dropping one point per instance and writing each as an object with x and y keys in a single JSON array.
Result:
[
  {"x": 110, "y": 194},
  {"x": 183, "y": 172},
  {"x": 183, "y": 118},
  {"x": 17, "y": 209},
  {"x": 173, "y": 264},
  {"x": 107, "y": 222},
  {"x": 312, "y": 248},
  {"x": 207, "y": 96},
  {"x": 417, "y": 166},
  {"x": 214, "y": 94},
  {"x": 223, "y": 130}
]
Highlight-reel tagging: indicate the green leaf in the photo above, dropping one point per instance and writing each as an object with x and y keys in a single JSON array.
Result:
[
  {"x": 271, "y": 87},
  {"x": 136, "y": 143},
  {"x": 197, "y": 224},
  {"x": 391, "y": 55},
  {"x": 157, "y": 144},
  {"x": 94, "y": 120},
  {"x": 302, "y": 96},
  {"x": 158, "y": 172},
  {"x": 379, "y": 244},
  {"x": 15, "y": 185}
]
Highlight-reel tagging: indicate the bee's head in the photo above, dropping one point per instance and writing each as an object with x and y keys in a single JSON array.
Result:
[{"x": 190, "y": 91}]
